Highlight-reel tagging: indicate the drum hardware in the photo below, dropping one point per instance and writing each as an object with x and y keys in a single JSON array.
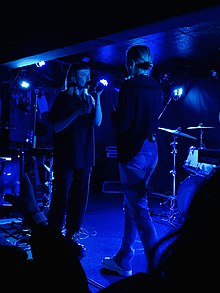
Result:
[
  {"x": 194, "y": 165},
  {"x": 201, "y": 127},
  {"x": 175, "y": 134}
]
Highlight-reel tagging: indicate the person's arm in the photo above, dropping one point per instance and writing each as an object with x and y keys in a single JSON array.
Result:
[
  {"x": 62, "y": 124},
  {"x": 98, "y": 109},
  {"x": 82, "y": 110},
  {"x": 64, "y": 112}
]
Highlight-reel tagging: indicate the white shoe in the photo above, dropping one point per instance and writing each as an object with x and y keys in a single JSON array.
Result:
[{"x": 108, "y": 263}]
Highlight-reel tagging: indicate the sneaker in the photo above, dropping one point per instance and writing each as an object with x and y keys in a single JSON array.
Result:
[
  {"x": 79, "y": 248},
  {"x": 109, "y": 263}
]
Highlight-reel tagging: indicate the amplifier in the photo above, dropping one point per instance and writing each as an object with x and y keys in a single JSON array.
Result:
[{"x": 209, "y": 156}]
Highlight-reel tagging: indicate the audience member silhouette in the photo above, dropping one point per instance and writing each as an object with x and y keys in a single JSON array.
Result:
[{"x": 53, "y": 264}]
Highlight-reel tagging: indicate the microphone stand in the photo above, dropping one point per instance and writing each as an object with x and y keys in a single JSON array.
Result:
[
  {"x": 172, "y": 96},
  {"x": 168, "y": 102}
]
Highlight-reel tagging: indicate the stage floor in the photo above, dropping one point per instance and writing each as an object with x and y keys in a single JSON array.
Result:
[{"x": 101, "y": 233}]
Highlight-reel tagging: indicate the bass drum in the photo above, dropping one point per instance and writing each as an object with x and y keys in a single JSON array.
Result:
[{"x": 186, "y": 191}]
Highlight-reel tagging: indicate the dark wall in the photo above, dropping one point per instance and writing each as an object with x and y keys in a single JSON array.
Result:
[{"x": 200, "y": 104}]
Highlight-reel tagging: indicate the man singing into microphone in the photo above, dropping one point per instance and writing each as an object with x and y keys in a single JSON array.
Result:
[{"x": 73, "y": 116}]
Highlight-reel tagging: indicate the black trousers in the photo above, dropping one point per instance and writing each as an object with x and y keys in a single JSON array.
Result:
[{"x": 69, "y": 197}]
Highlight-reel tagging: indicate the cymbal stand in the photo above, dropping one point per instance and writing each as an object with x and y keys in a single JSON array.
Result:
[
  {"x": 201, "y": 144},
  {"x": 173, "y": 172}
]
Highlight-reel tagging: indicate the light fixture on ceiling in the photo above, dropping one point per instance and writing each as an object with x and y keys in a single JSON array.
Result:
[{"x": 40, "y": 64}]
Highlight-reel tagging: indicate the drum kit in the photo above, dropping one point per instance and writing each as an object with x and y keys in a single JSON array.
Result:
[
  {"x": 192, "y": 163},
  {"x": 197, "y": 169}
]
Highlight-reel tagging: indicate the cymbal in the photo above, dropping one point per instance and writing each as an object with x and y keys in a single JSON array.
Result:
[
  {"x": 200, "y": 127},
  {"x": 177, "y": 132}
]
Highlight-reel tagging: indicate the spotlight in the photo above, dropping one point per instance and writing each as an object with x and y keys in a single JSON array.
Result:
[
  {"x": 40, "y": 64},
  {"x": 104, "y": 82},
  {"x": 101, "y": 84},
  {"x": 23, "y": 79},
  {"x": 24, "y": 84},
  {"x": 177, "y": 92}
]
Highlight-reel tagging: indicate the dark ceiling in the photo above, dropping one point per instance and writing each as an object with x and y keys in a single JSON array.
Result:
[{"x": 178, "y": 34}]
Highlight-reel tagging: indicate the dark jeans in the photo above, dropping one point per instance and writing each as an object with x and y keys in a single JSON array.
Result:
[{"x": 69, "y": 198}]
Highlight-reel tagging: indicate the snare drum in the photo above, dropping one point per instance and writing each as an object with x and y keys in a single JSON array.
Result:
[{"x": 192, "y": 165}]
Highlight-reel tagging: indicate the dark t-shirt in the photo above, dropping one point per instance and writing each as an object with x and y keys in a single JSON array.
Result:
[
  {"x": 136, "y": 117},
  {"x": 74, "y": 145}
]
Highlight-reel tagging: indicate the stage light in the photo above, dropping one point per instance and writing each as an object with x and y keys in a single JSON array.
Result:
[
  {"x": 40, "y": 64},
  {"x": 177, "y": 92},
  {"x": 25, "y": 84},
  {"x": 23, "y": 79},
  {"x": 104, "y": 82},
  {"x": 101, "y": 84}
]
